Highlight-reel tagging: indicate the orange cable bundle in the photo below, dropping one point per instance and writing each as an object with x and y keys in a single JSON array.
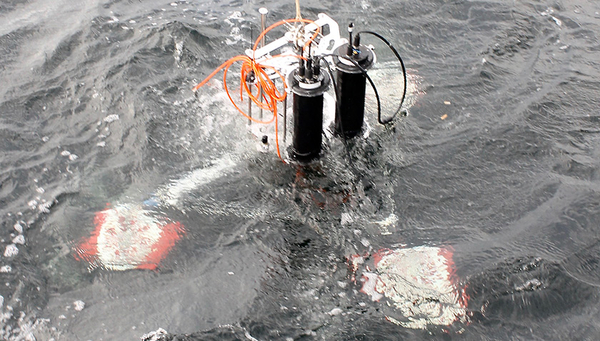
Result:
[{"x": 270, "y": 95}]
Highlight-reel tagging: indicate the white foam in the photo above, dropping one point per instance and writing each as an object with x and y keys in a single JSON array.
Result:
[
  {"x": 391, "y": 220},
  {"x": 20, "y": 239},
  {"x": 173, "y": 192},
  {"x": 78, "y": 305},
  {"x": 111, "y": 118},
  {"x": 335, "y": 311},
  {"x": 346, "y": 218},
  {"x": 155, "y": 335},
  {"x": 11, "y": 250},
  {"x": 32, "y": 204}
]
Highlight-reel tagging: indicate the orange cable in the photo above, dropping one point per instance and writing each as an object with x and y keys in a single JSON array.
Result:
[{"x": 267, "y": 89}]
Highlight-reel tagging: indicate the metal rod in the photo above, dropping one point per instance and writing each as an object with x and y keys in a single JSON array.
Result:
[
  {"x": 284, "y": 118},
  {"x": 263, "y": 25},
  {"x": 260, "y": 116},
  {"x": 249, "y": 105}
]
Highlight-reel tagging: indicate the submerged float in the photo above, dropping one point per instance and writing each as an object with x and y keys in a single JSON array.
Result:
[
  {"x": 135, "y": 236},
  {"x": 129, "y": 237},
  {"x": 419, "y": 282}
]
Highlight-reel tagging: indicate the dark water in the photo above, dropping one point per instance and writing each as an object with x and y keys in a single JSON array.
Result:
[{"x": 96, "y": 108}]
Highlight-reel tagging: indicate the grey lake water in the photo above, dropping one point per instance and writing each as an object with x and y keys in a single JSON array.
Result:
[{"x": 497, "y": 159}]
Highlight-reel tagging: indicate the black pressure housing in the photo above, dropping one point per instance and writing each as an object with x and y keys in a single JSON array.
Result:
[
  {"x": 351, "y": 86},
  {"x": 307, "y": 114}
]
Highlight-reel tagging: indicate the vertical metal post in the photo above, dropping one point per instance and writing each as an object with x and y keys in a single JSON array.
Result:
[
  {"x": 263, "y": 25},
  {"x": 249, "y": 105},
  {"x": 284, "y": 118}
]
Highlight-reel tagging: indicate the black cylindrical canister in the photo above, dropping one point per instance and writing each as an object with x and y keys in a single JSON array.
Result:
[
  {"x": 308, "y": 125},
  {"x": 307, "y": 115},
  {"x": 351, "y": 86}
]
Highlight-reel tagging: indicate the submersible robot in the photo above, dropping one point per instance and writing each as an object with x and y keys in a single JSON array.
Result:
[
  {"x": 313, "y": 59},
  {"x": 419, "y": 283}
]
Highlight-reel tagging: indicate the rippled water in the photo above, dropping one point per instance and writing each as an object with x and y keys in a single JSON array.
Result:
[{"x": 498, "y": 159}]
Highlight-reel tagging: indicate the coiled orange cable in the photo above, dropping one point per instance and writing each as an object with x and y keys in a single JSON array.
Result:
[{"x": 264, "y": 84}]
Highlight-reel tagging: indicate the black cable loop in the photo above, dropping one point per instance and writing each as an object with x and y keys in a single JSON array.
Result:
[
  {"x": 403, "y": 74},
  {"x": 364, "y": 72}
]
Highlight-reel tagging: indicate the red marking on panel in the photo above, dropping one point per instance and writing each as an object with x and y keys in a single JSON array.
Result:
[
  {"x": 88, "y": 248},
  {"x": 170, "y": 234},
  {"x": 377, "y": 256}
]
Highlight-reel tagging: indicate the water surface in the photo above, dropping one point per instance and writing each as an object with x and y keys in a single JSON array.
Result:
[{"x": 497, "y": 158}]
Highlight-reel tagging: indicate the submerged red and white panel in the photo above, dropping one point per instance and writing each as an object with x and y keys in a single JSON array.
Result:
[
  {"x": 419, "y": 282},
  {"x": 133, "y": 236},
  {"x": 129, "y": 237}
]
